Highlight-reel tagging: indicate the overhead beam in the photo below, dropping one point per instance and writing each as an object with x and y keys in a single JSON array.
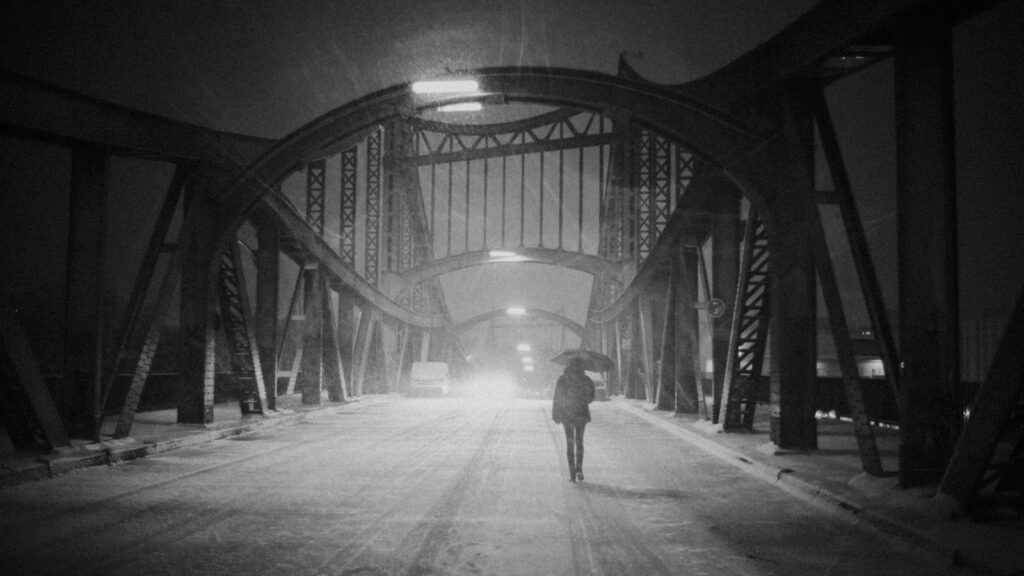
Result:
[
  {"x": 45, "y": 112},
  {"x": 607, "y": 270},
  {"x": 567, "y": 323},
  {"x": 702, "y": 129},
  {"x": 571, "y": 143},
  {"x": 801, "y": 48}
]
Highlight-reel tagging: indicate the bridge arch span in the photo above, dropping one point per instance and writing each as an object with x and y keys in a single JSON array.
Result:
[
  {"x": 607, "y": 270},
  {"x": 563, "y": 321}
]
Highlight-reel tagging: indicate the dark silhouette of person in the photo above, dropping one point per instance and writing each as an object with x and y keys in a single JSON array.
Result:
[{"x": 570, "y": 407}]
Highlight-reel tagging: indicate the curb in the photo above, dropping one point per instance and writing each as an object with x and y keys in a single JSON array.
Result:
[
  {"x": 812, "y": 494},
  {"x": 114, "y": 451}
]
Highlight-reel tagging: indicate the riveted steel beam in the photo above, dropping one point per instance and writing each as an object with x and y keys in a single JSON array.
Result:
[
  {"x": 567, "y": 323},
  {"x": 689, "y": 218},
  {"x": 679, "y": 118},
  {"x": 602, "y": 268},
  {"x": 803, "y": 48},
  {"x": 571, "y": 143},
  {"x": 333, "y": 267},
  {"x": 54, "y": 114}
]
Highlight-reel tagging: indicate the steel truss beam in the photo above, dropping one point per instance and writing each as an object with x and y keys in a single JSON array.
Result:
[
  {"x": 805, "y": 47},
  {"x": 602, "y": 268},
  {"x": 331, "y": 265},
  {"x": 699, "y": 127},
  {"x": 373, "y": 182},
  {"x": 439, "y": 143},
  {"x": 31, "y": 382},
  {"x": 46, "y": 112},
  {"x": 689, "y": 219},
  {"x": 349, "y": 170},
  {"x": 563, "y": 321},
  {"x": 503, "y": 150}
]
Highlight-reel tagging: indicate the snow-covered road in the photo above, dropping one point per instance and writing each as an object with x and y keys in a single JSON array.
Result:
[{"x": 432, "y": 487}]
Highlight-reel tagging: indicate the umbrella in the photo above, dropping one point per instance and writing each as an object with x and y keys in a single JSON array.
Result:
[{"x": 593, "y": 361}]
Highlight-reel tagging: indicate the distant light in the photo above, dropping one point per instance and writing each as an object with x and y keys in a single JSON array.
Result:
[
  {"x": 501, "y": 254},
  {"x": 528, "y": 368},
  {"x": 527, "y": 360},
  {"x": 445, "y": 86},
  {"x": 469, "y": 358},
  {"x": 461, "y": 107},
  {"x": 524, "y": 347},
  {"x": 516, "y": 311}
]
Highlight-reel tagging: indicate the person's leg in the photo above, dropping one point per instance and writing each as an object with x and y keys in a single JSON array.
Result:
[
  {"x": 570, "y": 444},
  {"x": 579, "y": 450}
]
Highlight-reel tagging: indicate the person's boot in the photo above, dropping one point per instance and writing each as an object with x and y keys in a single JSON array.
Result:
[
  {"x": 572, "y": 469},
  {"x": 579, "y": 467}
]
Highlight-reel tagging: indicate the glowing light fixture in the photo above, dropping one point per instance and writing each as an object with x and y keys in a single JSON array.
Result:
[
  {"x": 515, "y": 311},
  {"x": 461, "y": 107},
  {"x": 528, "y": 368},
  {"x": 450, "y": 86},
  {"x": 524, "y": 347},
  {"x": 501, "y": 254}
]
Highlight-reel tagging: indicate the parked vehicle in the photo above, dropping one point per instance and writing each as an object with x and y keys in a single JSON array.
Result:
[
  {"x": 600, "y": 388},
  {"x": 429, "y": 379}
]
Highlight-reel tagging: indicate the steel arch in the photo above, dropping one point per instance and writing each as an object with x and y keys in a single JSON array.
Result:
[
  {"x": 711, "y": 134},
  {"x": 606, "y": 270},
  {"x": 568, "y": 323}
]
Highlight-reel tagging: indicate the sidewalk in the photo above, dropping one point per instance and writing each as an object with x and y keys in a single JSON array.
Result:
[
  {"x": 158, "y": 431},
  {"x": 831, "y": 478}
]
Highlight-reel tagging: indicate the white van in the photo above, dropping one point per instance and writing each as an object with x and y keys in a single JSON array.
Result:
[
  {"x": 428, "y": 378},
  {"x": 600, "y": 388}
]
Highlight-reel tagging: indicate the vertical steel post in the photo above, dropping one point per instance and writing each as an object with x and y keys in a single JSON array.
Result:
[
  {"x": 930, "y": 418},
  {"x": 725, "y": 257},
  {"x": 666, "y": 396},
  {"x": 311, "y": 369},
  {"x": 268, "y": 237},
  {"x": 793, "y": 290},
  {"x": 82, "y": 396},
  {"x": 373, "y": 170},
  {"x": 197, "y": 362},
  {"x": 690, "y": 393},
  {"x": 646, "y": 335}
]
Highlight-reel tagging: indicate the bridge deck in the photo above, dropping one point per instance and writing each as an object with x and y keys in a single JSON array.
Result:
[{"x": 448, "y": 486}]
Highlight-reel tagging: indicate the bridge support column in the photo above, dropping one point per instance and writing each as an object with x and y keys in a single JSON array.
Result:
[
  {"x": 794, "y": 282},
  {"x": 311, "y": 370},
  {"x": 347, "y": 332},
  {"x": 666, "y": 387},
  {"x": 930, "y": 418},
  {"x": 726, "y": 232},
  {"x": 198, "y": 346},
  {"x": 785, "y": 173},
  {"x": 81, "y": 397},
  {"x": 689, "y": 394},
  {"x": 267, "y": 277},
  {"x": 333, "y": 374},
  {"x": 645, "y": 333}
]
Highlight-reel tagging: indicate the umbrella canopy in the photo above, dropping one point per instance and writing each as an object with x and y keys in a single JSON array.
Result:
[{"x": 593, "y": 361}]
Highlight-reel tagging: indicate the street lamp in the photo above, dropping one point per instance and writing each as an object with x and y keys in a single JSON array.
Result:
[{"x": 448, "y": 86}]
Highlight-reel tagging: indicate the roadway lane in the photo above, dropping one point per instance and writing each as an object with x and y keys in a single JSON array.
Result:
[{"x": 422, "y": 487}]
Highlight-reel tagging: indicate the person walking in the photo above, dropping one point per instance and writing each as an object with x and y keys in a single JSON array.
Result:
[{"x": 570, "y": 407}]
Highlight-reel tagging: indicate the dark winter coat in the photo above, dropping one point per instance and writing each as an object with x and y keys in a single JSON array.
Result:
[{"x": 574, "y": 391}]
